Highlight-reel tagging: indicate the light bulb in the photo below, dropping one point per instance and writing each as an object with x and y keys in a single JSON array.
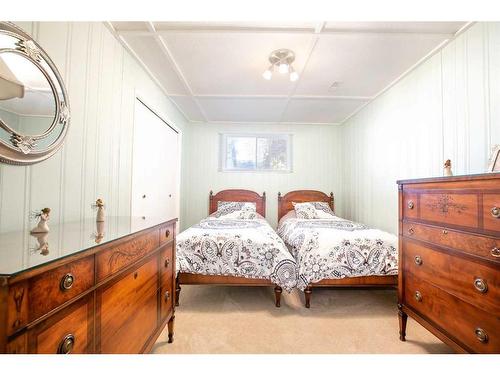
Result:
[
  {"x": 283, "y": 68},
  {"x": 294, "y": 76},
  {"x": 267, "y": 74}
]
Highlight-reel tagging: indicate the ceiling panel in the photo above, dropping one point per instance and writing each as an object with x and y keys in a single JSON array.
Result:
[
  {"x": 232, "y": 64},
  {"x": 315, "y": 110},
  {"x": 188, "y": 106},
  {"x": 149, "y": 51},
  {"x": 243, "y": 109},
  {"x": 214, "y": 69},
  {"x": 362, "y": 66},
  {"x": 395, "y": 27}
]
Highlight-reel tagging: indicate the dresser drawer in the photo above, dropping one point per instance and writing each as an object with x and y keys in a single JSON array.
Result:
[
  {"x": 473, "y": 282},
  {"x": 475, "y": 328},
  {"x": 128, "y": 310},
  {"x": 167, "y": 233},
  {"x": 485, "y": 247},
  {"x": 491, "y": 212},
  {"x": 68, "y": 331},
  {"x": 443, "y": 208},
  {"x": 50, "y": 289},
  {"x": 120, "y": 255}
]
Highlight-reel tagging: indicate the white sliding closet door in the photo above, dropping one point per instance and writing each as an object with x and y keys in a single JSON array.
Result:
[{"x": 155, "y": 173}]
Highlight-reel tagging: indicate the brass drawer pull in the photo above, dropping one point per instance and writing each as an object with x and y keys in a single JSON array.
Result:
[
  {"x": 411, "y": 205},
  {"x": 411, "y": 231},
  {"x": 167, "y": 262},
  {"x": 67, "y": 344},
  {"x": 495, "y": 212},
  {"x": 418, "y": 260},
  {"x": 67, "y": 282},
  {"x": 445, "y": 232},
  {"x": 167, "y": 233},
  {"x": 167, "y": 296},
  {"x": 495, "y": 252},
  {"x": 418, "y": 296},
  {"x": 481, "y": 335},
  {"x": 480, "y": 285}
]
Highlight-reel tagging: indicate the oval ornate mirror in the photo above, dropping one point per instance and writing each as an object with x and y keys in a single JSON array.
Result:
[{"x": 34, "y": 106}]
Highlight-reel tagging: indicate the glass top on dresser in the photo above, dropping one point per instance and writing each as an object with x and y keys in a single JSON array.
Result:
[{"x": 21, "y": 251}]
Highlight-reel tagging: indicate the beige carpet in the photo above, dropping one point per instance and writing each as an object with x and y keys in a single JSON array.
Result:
[{"x": 214, "y": 319}]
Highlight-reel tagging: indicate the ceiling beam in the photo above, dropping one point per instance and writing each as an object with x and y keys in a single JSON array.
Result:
[
  {"x": 166, "y": 51},
  {"x": 240, "y": 96},
  {"x": 317, "y": 29},
  {"x": 323, "y": 31},
  {"x": 144, "y": 66}
]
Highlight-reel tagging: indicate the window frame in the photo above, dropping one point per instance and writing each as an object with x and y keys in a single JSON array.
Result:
[{"x": 223, "y": 152}]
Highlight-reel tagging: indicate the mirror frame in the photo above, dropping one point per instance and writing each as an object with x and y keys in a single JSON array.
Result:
[{"x": 21, "y": 149}]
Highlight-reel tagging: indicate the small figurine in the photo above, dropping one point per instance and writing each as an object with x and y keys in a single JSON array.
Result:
[
  {"x": 42, "y": 226},
  {"x": 447, "y": 168},
  {"x": 43, "y": 244},
  {"x": 99, "y": 234},
  {"x": 99, "y": 205}
]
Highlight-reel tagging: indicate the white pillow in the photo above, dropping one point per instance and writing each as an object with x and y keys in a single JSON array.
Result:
[
  {"x": 305, "y": 210},
  {"x": 236, "y": 210},
  {"x": 323, "y": 210}
]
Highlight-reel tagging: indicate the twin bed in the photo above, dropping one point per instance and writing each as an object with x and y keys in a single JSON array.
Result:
[{"x": 235, "y": 245}]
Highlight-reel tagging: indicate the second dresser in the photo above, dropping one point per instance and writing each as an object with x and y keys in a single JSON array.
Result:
[{"x": 449, "y": 259}]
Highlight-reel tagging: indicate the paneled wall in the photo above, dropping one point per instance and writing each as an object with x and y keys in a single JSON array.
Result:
[
  {"x": 316, "y": 165},
  {"x": 102, "y": 81},
  {"x": 448, "y": 108}
]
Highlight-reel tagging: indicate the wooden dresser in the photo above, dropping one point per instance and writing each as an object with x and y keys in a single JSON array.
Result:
[
  {"x": 449, "y": 259},
  {"x": 112, "y": 293}
]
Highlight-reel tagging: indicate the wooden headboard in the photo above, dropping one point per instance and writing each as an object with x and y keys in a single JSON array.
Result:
[
  {"x": 300, "y": 196},
  {"x": 238, "y": 195}
]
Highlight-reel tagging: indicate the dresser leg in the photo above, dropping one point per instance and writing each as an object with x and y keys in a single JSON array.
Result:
[
  {"x": 177, "y": 291},
  {"x": 171, "y": 329},
  {"x": 307, "y": 294},
  {"x": 277, "y": 295},
  {"x": 403, "y": 317}
]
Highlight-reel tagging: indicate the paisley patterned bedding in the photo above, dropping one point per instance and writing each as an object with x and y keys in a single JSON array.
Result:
[
  {"x": 336, "y": 248},
  {"x": 236, "y": 247}
]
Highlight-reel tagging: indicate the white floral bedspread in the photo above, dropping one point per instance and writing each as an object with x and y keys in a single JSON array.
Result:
[
  {"x": 236, "y": 247},
  {"x": 336, "y": 248}
]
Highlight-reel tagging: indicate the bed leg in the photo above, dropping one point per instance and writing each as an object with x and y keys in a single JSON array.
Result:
[
  {"x": 177, "y": 291},
  {"x": 171, "y": 329},
  {"x": 307, "y": 294},
  {"x": 403, "y": 317},
  {"x": 277, "y": 295}
]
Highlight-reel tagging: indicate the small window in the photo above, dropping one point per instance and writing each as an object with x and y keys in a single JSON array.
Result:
[{"x": 256, "y": 152}]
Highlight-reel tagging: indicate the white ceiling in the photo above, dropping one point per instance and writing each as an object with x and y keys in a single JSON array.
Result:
[{"x": 213, "y": 71}]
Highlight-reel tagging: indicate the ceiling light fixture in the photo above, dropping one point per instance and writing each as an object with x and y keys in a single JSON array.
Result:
[{"x": 281, "y": 59}]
